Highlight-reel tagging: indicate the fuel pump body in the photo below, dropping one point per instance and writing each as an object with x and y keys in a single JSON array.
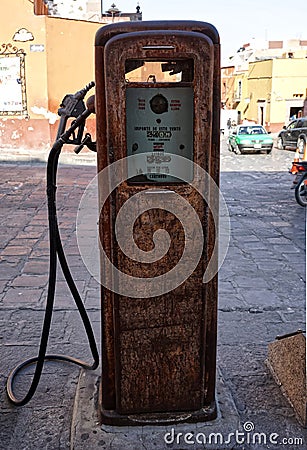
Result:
[{"x": 159, "y": 352}]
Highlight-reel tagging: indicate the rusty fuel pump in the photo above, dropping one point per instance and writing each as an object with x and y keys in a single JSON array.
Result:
[
  {"x": 157, "y": 113},
  {"x": 157, "y": 109}
]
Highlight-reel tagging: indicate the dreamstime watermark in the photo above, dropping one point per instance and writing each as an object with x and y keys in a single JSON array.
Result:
[
  {"x": 246, "y": 436},
  {"x": 160, "y": 197}
]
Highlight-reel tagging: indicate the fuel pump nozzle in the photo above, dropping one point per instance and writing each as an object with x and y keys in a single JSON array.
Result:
[
  {"x": 73, "y": 105},
  {"x": 87, "y": 140}
]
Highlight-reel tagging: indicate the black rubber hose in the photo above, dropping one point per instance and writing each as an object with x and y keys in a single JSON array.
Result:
[{"x": 56, "y": 250}]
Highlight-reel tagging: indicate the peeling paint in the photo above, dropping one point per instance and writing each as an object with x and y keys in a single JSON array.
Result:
[
  {"x": 15, "y": 135},
  {"x": 30, "y": 129},
  {"x": 41, "y": 111}
]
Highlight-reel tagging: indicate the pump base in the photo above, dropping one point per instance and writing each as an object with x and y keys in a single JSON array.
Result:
[{"x": 111, "y": 417}]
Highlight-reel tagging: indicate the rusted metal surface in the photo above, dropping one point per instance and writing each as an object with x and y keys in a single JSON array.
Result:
[
  {"x": 109, "y": 31},
  {"x": 159, "y": 340},
  {"x": 159, "y": 353}
]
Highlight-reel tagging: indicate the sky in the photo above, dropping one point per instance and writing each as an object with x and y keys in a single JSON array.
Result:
[{"x": 237, "y": 21}]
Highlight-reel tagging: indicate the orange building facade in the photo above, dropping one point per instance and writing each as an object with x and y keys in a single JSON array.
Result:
[{"x": 42, "y": 58}]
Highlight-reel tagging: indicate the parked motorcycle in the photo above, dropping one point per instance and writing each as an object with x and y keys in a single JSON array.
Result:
[{"x": 299, "y": 169}]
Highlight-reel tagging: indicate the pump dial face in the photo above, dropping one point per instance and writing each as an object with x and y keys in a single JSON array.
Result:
[{"x": 159, "y": 104}]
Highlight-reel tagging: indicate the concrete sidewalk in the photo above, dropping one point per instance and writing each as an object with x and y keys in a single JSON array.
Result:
[{"x": 262, "y": 294}]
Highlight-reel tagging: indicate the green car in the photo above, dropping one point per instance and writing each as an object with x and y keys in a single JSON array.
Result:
[{"x": 249, "y": 138}]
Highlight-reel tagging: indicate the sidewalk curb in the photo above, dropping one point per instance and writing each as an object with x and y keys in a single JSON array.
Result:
[
  {"x": 87, "y": 433},
  {"x": 28, "y": 157}
]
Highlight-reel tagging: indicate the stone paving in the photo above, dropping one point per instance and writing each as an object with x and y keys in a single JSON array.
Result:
[{"x": 261, "y": 295}]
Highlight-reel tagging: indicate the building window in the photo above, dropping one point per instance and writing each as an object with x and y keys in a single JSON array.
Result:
[
  {"x": 13, "y": 100},
  {"x": 275, "y": 44}
]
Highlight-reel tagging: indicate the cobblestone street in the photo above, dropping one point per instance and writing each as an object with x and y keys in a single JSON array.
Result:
[
  {"x": 261, "y": 295},
  {"x": 262, "y": 281}
]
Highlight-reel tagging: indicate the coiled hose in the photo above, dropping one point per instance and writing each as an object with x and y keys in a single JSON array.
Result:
[{"x": 56, "y": 251}]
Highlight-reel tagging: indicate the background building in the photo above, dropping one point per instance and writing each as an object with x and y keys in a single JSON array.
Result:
[
  {"x": 267, "y": 84},
  {"x": 43, "y": 57},
  {"x": 92, "y": 10}
]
